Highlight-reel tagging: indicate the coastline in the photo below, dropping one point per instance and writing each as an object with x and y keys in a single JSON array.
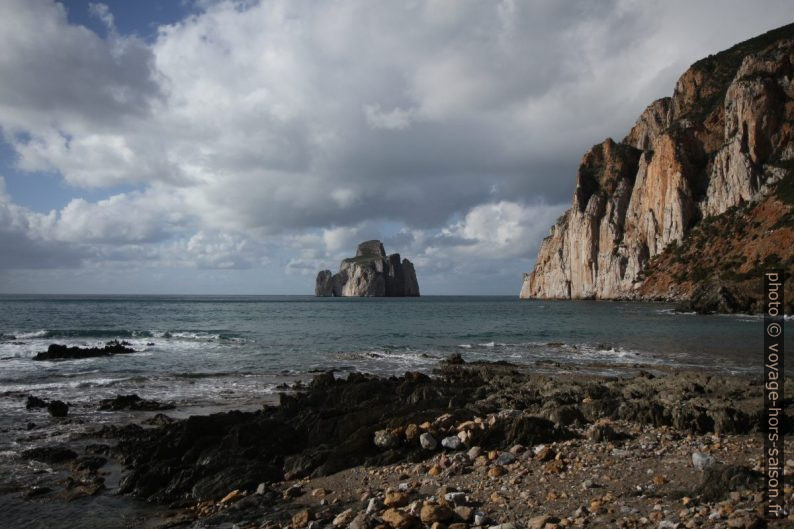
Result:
[{"x": 573, "y": 448}]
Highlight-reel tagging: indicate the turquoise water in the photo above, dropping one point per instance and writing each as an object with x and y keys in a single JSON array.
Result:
[
  {"x": 210, "y": 353},
  {"x": 202, "y": 348}
]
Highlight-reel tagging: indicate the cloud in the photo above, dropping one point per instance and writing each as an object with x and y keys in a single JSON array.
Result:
[{"x": 285, "y": 130}]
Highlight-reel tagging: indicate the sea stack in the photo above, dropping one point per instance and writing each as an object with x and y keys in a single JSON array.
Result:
[{"x": 370, "y": 273}]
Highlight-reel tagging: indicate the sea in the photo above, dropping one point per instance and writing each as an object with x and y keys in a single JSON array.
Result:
[{"x": 211, "y": 353}]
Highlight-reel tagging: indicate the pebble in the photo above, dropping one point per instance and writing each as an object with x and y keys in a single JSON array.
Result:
[
  {"x": 702, "y": 461},
  {"x": 301, "y": 519},
  {"x": 343, "y": 518},
  {"x": 431, "y": 513},
  {"x": 374, "y": 506},
  {"x": 539, "y": 522},
  {"x": 232, "y": 496},
  {"x": 399, "y": 519},
  {"x": 395, "y": 499},
  {"x": 427, "y": 441},
  {"x": 456, "y": 498},
  {"x": 452, "y": 442},
  {"x": 386, "y": 439},
  {"x": 496, "y": 471}
]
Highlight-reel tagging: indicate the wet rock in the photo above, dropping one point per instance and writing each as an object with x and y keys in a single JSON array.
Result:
[
  {"x": 35, "y": 402},
  {"x": 427, "y": 441},
  {"x": 88, "y": 463},
  {"x": 50, "y": 454},
  {"x": 62, "y": 352},
  {"x": 57, "y": 408},
  {"x": 133, "y": 403},
  {"x": 36, "y": 491},
  {"x": 454, "y": 359},
  {"x": 160, "y": 419}
]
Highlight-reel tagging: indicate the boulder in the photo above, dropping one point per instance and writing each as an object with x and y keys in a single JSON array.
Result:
[
  {"x": 58, "y": 408},
  {"x": 35, "y": 402}
]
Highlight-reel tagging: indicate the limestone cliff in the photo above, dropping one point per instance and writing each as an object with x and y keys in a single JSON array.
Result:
[
  {"x": 719, "y": 147},
  {"x": 370, "y": 273}
]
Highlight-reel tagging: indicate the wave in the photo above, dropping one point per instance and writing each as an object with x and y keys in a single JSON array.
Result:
[{"x": 177, "y": 334}]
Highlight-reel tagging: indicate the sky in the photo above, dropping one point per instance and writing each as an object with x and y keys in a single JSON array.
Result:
[{"x": 240, "y": 146}]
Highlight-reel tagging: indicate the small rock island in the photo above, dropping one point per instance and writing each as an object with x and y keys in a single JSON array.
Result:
[{"x": 370, "y": 273}]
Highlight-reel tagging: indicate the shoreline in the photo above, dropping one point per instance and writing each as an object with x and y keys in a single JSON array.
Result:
[{"x": 359, "y": 436}]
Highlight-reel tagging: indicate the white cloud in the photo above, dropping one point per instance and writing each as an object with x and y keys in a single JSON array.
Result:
[
  {"x": 289, "y": 124},
  {"x": 501, "y": 230}
]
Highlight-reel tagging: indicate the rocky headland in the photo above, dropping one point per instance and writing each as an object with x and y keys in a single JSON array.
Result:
[
  {"x": 370, "y": 273},
  {"x": 695, "y": 201},
  {"x": 473, "y": 445}
]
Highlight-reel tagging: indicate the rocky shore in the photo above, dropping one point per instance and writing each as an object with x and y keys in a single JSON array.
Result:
[{"x": 473, "y": 445}]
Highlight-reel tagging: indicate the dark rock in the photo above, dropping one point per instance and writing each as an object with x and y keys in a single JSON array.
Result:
[
  {"x": 35, "y": 491},
  {"x": 50, "y": 454},
  {"x": 600, "y": 433},
  {"x": 719, "y": 480},
  {"x": 713, "y": 297},
  {"x": 159, "y": 420},
  {"x": 454, "y": 359},
  {"x": 524, "y": 430},
  {"x": 58, "y": 408},
  {"x": 323, "y": 430},
  {"x": 566, "y": 416},
  {"x": 133, "y": 403},
  {"x": 88, "y": 463},
  {"x": 35, "y": 402},
  {"x": 62, "y": 352}
]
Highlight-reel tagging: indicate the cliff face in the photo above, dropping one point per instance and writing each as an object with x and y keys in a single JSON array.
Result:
[
  {"x": 370, "y": 273},
  {"x": 722, "y": 143}
]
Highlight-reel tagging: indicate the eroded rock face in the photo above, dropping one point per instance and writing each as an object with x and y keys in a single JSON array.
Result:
[
  {"x": 371, "y": 273},
  {"x": 717, "y": 144}
]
